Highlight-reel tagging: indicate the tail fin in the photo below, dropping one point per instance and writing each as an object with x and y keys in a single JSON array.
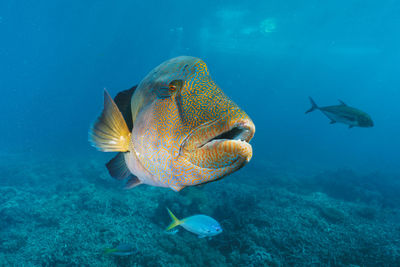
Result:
[
  {"x": 313, "y": 106},
  {"x": 110, "y": 132},
  {"x": 175, "y": 221},
  {"x": 109, "y": 250}
]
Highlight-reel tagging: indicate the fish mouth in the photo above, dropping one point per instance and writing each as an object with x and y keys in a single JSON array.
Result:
[
  {"x": 220, "y": 143},
  {"x": 241, "y": 131}
]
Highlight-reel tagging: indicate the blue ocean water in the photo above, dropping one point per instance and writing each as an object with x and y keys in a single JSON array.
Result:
[{"x": 314, "y": 193}]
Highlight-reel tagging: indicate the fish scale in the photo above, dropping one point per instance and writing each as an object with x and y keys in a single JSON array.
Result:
[{"x": 178, "y": 114}]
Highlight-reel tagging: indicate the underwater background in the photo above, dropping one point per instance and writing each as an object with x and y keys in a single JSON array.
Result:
[{"x": 314, "y": 193}]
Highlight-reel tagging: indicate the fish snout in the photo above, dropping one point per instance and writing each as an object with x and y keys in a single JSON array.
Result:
[
  {"x": 368, "y": 123},
  {"x": 215, "y": 230},
  {"x": 229, "y": 141},
  {"x": 236, "y": 139}
]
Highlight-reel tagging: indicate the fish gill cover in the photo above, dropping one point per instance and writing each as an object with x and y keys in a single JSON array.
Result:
[{"x": 314, "y": 193}]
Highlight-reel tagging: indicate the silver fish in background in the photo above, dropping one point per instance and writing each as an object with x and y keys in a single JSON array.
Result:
[
  {"x": 344, "y": 114},
  {"x": 201, "y": 225}
]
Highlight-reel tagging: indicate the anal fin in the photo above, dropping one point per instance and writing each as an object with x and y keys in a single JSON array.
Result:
[
  {"x": 119, "y": 170},
  {"x": 132, "y": 182},
  {"x": 177, "y": 188}
]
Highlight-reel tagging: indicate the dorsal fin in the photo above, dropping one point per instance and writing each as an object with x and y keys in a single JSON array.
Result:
[
  {"x": 342, "y": 103},
  {"x": 123, "y": 101}
]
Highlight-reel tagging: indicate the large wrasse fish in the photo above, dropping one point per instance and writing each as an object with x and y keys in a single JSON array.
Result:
[
  {"x": 344, "y": 114},
  {"x": 175, "y": 129}
]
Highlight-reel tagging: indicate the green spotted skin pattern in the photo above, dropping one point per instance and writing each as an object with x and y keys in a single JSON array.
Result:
[{"x": 172, "y": 134}]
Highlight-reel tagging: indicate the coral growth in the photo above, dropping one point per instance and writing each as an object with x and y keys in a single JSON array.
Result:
[{"x": 60, "y": 213}]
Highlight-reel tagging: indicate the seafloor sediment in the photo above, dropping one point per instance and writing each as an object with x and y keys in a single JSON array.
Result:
[{"x": 65, "y": 211}]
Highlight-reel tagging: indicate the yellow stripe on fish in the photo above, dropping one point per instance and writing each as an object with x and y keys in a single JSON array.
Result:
[{"x": 186, "y": 131}]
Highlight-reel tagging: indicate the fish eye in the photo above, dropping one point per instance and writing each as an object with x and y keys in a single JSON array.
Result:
[
  {"x": 172, "y": 87},
  {"x": 175, "y": 84}
]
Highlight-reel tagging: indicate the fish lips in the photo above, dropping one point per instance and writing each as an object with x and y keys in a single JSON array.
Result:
[
  {"x": 221, "y": 143},
  {"x": 229, "y": 147}
]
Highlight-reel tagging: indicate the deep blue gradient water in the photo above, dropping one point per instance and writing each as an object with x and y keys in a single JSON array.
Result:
[{"x": 56, "y": 57}]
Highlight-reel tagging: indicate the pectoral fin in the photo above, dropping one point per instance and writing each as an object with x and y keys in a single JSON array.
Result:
[
  {"x": 332, "y": 122},
  {"x": 117, "y": 167},
  {"x": 118, "y": 170},
  {"x": 351, "y": 126},
  {"x": 110, "y": 132}
]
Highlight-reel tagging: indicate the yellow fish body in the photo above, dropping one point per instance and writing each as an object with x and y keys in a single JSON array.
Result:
[{"x": 175, "y": 129}]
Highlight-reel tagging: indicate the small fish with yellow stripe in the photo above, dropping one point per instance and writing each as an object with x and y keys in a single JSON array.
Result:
[{"x": 200, "y": 225}]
